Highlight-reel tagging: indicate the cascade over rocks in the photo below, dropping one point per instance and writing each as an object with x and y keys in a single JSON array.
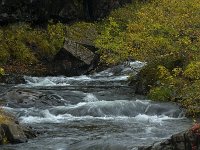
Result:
[{"x": 60, "y": 10}]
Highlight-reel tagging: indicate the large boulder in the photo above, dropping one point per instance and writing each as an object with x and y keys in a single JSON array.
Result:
[
  {"x": 25, "y": 98},
  {"x": 75, "y": 58},
  {"x": 11, "y": 131},
  {"x": 61, "y": 10}
]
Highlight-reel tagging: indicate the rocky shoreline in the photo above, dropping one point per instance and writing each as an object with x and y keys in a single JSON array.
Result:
[
  {"x": 14, "y": 133},
  {"x": 11, "y": 132},
  {"x": 187, "y": 140}
]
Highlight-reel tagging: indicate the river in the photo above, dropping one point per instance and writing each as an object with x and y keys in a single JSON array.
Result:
[{"x": 94, "y": 112}]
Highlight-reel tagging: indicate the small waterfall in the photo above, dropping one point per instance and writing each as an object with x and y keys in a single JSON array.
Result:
[{"x": 98, "y": 111}]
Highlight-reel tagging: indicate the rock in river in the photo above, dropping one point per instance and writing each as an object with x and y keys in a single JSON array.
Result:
[
  {"x": 187, "y": 140},
  {"x": 11, "y": 131}
]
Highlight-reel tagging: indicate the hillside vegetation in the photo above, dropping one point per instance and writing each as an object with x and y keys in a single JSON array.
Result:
[{"x": 166, "y": 35}]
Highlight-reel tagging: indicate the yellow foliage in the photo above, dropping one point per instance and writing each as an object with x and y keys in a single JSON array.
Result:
[
  {"x": 152, "y": 30},
  {"x": 2, "y": 72},
  {"x": 192, "y": 71}
]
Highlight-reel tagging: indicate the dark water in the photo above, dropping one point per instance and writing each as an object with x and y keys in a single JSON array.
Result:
[{"x": 98, "y": 112}]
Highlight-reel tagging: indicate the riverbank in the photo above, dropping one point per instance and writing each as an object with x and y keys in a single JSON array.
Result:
[
  {"x": 94, "y": 111},
  {"x": 11, "y": 132},
  {"x": 187, "y": 140},
  {"x": 138, "y": 31}
]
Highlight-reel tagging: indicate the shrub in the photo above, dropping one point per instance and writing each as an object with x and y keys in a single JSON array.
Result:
[
  {"x": 191, "y": 98},
  {"x": 159, "y": 28},
  {"x": 163, "y": 33},
  {"x": 111, "y": 43},
  {"x": 2, "y": 72},
  {"x": 192, "y": 71},
  {"x": 82, "y": 32},
  {"x": 161, "y": 93}
]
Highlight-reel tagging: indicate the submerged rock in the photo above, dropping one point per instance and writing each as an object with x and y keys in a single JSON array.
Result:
[
  {"x": 25, "y": 98},
  {"x": 187, "y": 140}
]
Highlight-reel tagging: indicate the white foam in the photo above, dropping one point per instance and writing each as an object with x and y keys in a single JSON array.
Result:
[
  {"x": 151, "y": 119},
  {"x": 104, "y": 76},
  {"x": 137, "y": 64},
  {"x": 67, "y": 81},
  {"x": 90, "y": 98},
  {"x": 46, "y": 81},
  {"x": 50, "y": 118},
  {"x": 46, "y": 117}
]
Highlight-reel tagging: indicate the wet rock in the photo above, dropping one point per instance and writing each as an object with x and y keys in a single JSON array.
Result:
[
  {"x": 29, "y": 132},
  {"x": 25, "y": 98},
  {"x": 146, "y": 78},
  {"x": 11, "y": 131},
  {"x": 41, "y": 11},
  {"x": 187, "y": 140},
  {"x": 75, "y": 59},
  {"x": 14, "y": 133}
]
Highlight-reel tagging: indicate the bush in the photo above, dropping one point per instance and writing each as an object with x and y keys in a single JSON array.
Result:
[
  {"x": 192, "y": 71},
  {"x": 22, "y": 43},
  {"x": 191, "y": 98},
  {"x": 82, "y": 32},
  {"x": 163, "y": 33},
  {"x": 161, "y": 93},
  {"x": 2, "y": 72},
  {"x": 159, "y": 28}
]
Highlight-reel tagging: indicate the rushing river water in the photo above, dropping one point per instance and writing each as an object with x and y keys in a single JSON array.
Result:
[{"x": 98, "y": 112}]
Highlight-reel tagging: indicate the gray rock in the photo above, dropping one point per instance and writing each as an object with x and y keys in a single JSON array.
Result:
[
  {"x": 14, "y": 133},
  {"x": 79, "y": 51},
  {"x": 74, "y": 59},
  {"x": 181, "y": 141},
  {"x": 25, "y": 98}
]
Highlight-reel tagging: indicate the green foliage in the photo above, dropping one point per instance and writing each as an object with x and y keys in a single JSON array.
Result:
[
  {"x": 82, "y": 32},
  {"x": 192, "y": 71},
  {"x": 166, "y": 35},
  {"x": 2, "y": 72},
  {"x": 111, "y": 42},
  {"x": 161, "y": 93},
  {"x": 57, "y": 34},
  {"x": 191, "y": 98},
  {"x": 153, "y": 30},
  {"x": 24, "y": 44}
]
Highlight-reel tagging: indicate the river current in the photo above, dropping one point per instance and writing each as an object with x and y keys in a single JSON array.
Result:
[{"x": 96, "y": 112}]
